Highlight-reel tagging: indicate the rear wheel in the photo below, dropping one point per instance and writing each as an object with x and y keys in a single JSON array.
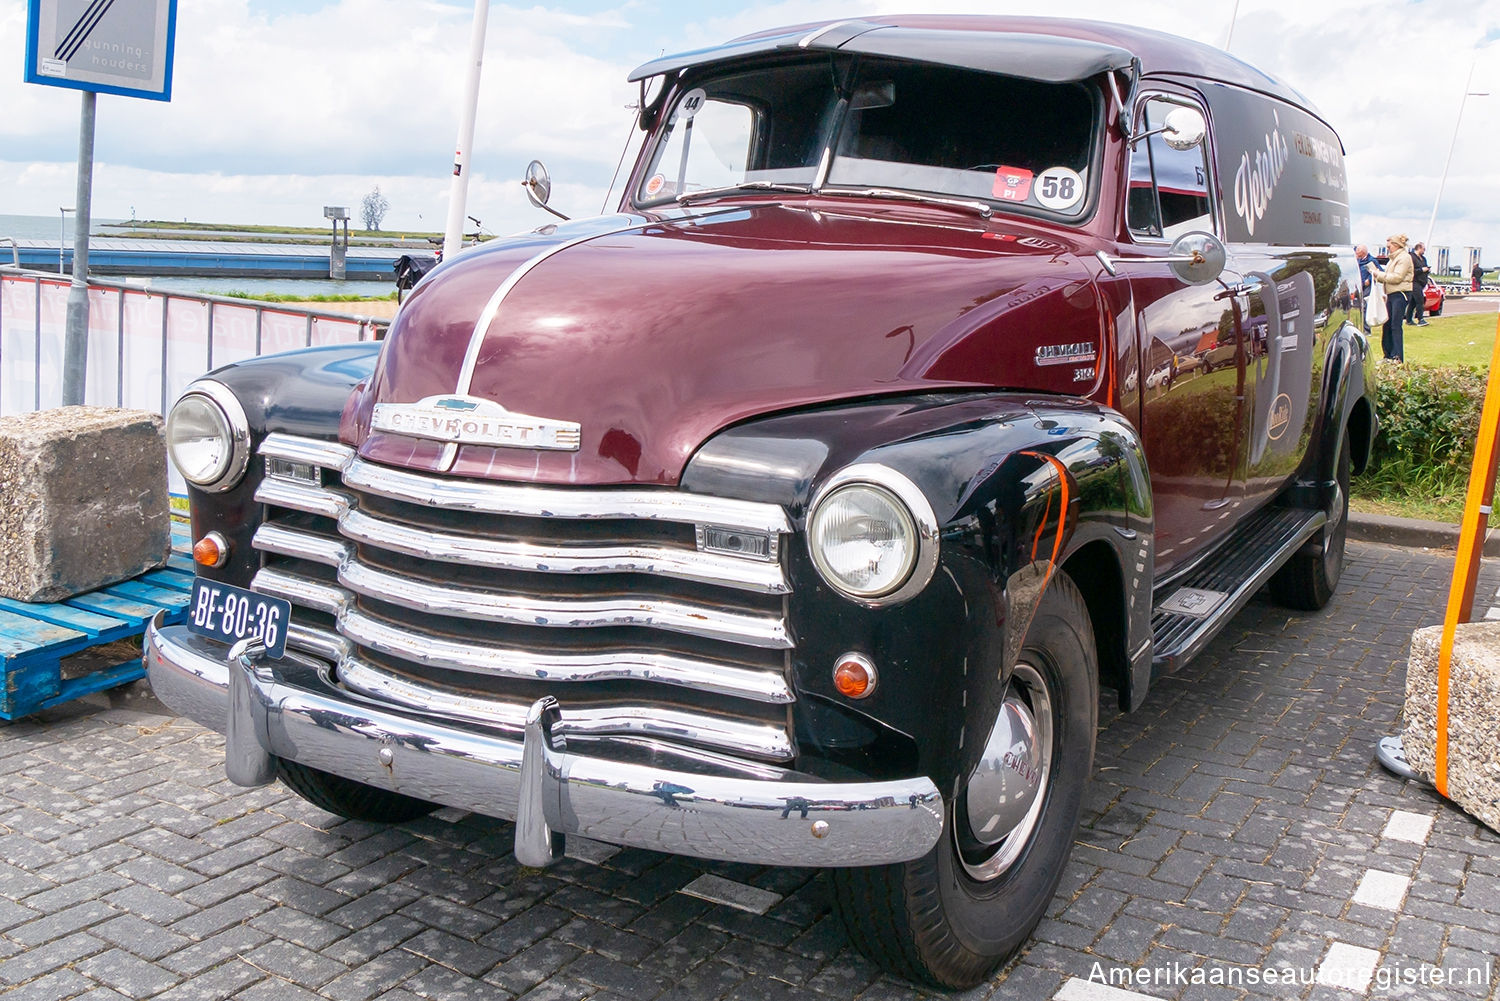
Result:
[
  {"x": 954, "y": 915},
  {"x": 1309, "y": 578},
  {"x": 349, "y": 799}
]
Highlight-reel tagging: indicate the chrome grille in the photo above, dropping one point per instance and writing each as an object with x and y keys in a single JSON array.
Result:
[{"x": 469, "y": 599}]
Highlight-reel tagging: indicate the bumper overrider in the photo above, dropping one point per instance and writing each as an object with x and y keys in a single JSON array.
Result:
[{"x": 291, "y": 709}]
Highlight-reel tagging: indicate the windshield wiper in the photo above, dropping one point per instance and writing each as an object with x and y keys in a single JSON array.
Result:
[
  {"x": 729, "y": 189},
  {"x": 984, "y": 210}
]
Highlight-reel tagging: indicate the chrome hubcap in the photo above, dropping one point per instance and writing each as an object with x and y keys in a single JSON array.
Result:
[{"x": 1005, "y": 793}]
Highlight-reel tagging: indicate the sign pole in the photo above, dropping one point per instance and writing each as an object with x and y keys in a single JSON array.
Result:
[
  {"x": 76, "y": 344},
  {"x": 458, "y": 192}
]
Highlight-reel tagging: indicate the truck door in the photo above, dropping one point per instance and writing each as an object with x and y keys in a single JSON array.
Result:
[{"x": 1194, "y": 361}]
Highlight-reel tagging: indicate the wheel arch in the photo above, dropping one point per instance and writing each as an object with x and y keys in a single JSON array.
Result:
[{"x": 1095, "y": 569}]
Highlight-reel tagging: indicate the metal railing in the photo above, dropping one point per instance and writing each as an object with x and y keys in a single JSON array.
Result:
[{"x": 145, "y": 344}]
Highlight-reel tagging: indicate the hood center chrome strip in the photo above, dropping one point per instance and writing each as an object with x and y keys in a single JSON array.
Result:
[{"x": 491, "y": 308}]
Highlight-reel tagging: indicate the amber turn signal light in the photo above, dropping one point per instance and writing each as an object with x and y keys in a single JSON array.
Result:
[
  {"x": 211, "y": 551},
  {"x": 854, "y": 676}
]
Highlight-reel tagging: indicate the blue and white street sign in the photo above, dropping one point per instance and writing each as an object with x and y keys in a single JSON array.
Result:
[{"x": 108, "y": 46}]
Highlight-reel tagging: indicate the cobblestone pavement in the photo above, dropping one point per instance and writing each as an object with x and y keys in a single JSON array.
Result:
[{"x": 1237, "y": 824}]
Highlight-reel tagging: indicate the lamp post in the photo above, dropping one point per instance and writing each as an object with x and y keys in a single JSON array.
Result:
[
  {"x": 62, "y": 236},
  {"x": 458, "y": 192},
  {"x": 1432, "y": 223}
]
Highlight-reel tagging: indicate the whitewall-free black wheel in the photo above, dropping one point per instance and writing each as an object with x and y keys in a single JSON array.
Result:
[{"x": 954, "y": 915}]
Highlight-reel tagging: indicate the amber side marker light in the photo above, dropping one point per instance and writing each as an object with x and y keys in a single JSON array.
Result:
[
  {"x": 211, "y": 551},
  {"x": 854, "y": 676}
]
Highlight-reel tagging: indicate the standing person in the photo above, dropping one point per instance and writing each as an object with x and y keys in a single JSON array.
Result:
[
  {"x": 1366, "y": 266},
  {"x": 1476, "y": 276},
  {"x": 1420, "y": 275},
  {"x": 1396, "y": 278}
]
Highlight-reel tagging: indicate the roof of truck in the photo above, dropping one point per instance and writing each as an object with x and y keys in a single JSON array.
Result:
[{"x": 1051, "y": 48}]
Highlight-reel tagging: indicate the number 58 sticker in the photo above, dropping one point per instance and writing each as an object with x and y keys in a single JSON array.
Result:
[{"x": 1058, "y": 188}]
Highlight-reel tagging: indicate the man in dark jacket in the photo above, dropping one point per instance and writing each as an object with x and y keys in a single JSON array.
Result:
[
  {"x": 1366, "y": 262},
  {"x": 1366, "y": 266},
  {"x": 1420, "y": 275}
]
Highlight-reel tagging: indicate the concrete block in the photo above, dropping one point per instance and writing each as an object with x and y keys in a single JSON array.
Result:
[
  {"x": 83, "y": 500},
  {"x": 1473, "y": 715}
]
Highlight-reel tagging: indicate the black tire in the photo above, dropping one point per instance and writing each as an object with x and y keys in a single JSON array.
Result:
[
  {"x": 1310, "y": 577},
  {"x": 349, "y": 799},
  {"x": 932, "y": 919}
]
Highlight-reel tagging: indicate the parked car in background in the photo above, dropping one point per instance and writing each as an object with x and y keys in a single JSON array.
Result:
[
  {"x": 1433, "y": 296},
  {"x": 935, "y": 376}
]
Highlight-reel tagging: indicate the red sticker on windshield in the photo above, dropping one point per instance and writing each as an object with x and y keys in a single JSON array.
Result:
[{"x": 1013, "y": 184}]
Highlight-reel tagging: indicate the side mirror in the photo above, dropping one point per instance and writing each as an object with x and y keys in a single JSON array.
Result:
[
  {"x": 1197, "y": 258},
  {"x": 538, "y": 185},
  {"x": 1184, "y": 128}
]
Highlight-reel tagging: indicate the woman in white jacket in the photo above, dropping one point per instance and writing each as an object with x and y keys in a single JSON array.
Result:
[{"x": 1396, "y": 278}]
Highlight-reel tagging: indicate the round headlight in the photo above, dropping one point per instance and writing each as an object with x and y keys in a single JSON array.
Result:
[
  {"x": 872, "y": 535},
  {"x": 208, "y": 437}
]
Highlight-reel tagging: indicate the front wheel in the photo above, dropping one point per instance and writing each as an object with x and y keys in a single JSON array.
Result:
[
  {"x": 954, "y": 915},
  {"x": 349, "y": 799},
  {"x": 1309, "y": 578}
]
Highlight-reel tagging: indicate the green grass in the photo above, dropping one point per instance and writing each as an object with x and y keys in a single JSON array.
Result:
[{"x": 1463, "y": 339}]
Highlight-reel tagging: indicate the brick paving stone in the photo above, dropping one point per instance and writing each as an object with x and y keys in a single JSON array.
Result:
[
  {"x": 130, "y": 975},
  {"x": 211, "y": 952},
  {"x": 223, "y": 887},
  {"x": 373, "y": 940},
  {"x": 372, "y": 905},
  {"x": 298, "y": 928},
  {"x": 373, "y": 978},
  {"x": 294, "y": 963},
  {"x": 533, "y": 965},
  {"x": 234, "y": 911},
  {"x": 140, "y": 936},
  {"x": 153, "y": 905},
  {"x": 61, "y": 923},
  {"x": 292, "y": 892},
  {"x": 1229, "y": 824},
  {"x": 54, "y": 955},
  {"x": 525, "y": 929},
  {"x": 450, "y": 950},
  {"x": 53, "y": 987},
  {"x": 440, "y": 912}
]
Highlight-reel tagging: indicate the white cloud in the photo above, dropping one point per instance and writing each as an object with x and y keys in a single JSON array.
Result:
[{"x": 275, "y": 115}]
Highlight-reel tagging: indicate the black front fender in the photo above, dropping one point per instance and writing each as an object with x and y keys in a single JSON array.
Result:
[
  {"x": 298, "y": 392},
  {"x": 1021, "y": 485}
]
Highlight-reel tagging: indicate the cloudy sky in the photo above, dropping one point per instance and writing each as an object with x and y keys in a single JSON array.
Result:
[{"x": 283, "y": 106}]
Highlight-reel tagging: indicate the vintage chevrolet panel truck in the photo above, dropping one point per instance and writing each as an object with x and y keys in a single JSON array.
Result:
[{"x": 935, "y": 373}]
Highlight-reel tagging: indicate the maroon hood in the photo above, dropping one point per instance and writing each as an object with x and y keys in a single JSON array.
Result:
[{"x": 654, "y": 339}]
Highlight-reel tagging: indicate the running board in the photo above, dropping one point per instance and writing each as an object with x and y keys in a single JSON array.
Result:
[{"x": 1193, "y": 608}]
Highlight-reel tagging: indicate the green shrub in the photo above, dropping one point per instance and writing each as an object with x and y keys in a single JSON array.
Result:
[{"x": 1429, "y": 419}]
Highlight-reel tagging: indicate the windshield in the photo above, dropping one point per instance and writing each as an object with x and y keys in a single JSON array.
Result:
[{"x": 914, "y": 127}]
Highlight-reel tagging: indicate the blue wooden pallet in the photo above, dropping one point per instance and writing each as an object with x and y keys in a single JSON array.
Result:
[{"x": 35, "y": 638}]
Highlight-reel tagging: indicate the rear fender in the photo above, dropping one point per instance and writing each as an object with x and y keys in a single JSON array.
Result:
[{"x": 1348, "y": 407}]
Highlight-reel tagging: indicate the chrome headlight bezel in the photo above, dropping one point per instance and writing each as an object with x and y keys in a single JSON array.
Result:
[
  {"x": 907, "y": 498},
  {"x": 236, "y": 432}
]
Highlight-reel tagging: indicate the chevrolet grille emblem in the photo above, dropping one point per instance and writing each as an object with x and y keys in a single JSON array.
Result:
[{"x": 466, "y": 420}]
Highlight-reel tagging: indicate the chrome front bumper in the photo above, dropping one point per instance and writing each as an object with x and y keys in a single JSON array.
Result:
[{"x": 290, "y": 709}]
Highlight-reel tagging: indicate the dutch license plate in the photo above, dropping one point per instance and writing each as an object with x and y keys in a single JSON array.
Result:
[{"x": 230, "y": 614}]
